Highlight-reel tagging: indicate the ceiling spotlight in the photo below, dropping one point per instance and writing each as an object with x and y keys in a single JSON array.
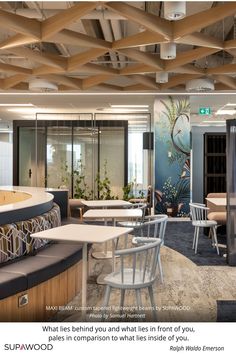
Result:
[
  {"x": 162, "y": 77},
  {"x": 200, "y": 85},
  {"x": 40, "y": 85},
  {"x": 168, "y": 51},
  {"x": 174, "y": 10}
]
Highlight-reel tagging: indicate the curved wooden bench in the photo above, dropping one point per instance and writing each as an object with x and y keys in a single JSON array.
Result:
[
  {"x": 47, "y": 274},
  {"x": 51, "y": 278}
]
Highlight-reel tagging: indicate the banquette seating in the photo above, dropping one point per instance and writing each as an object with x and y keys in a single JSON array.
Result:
[
  {"x": 216, "y": 213},
  {"x": 48, "y": 273}
]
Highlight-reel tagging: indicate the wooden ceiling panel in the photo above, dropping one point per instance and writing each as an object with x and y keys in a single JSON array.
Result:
[
  {"x": 203, "y": 19},
  {"x": 147, "y": 20},
  {"x": 20, "y": 24},
  {"x": 59, "y": 21},
  {"x": 52, "y": 45}
]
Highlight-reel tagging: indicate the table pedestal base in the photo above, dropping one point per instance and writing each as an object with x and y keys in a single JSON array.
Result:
[
  {"x": 100, "y": 279},
  {"x": 102, "y": 255}
]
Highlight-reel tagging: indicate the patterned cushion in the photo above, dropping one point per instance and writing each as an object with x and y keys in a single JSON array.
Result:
[{"x": 15, "y": 240}]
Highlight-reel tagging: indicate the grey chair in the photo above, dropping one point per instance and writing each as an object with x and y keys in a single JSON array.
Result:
[
  {"x": 137, "y": 271},
  {"x": 137, "y": 222},
  {"x": 153, "y": 227},
  {"x": 199, "y": 220}
]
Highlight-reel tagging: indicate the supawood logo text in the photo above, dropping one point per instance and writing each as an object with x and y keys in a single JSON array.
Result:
[{"x": 18, "y": 346}]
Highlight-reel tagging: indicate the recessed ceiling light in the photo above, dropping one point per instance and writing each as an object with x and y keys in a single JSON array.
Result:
[
  {"x": 25, "y": 110},
  {"x": 213, "y": 121},
  {"x": 230, "y": 112},
  {"x": 16, "y": 105},
  {"x": 129, "y": 105},
  {"x": 125, "y": 110},
  {"x": 230, "y": 105}
]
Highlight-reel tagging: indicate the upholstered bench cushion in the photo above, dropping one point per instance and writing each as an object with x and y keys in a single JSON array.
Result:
[
  {"x": 33, "y": 270},
  {"x": 37, "y": 269},
  {"x": 219, "y": 216},
  {"x": 68, "y": 253},
  {"x": 11, "y": 283}
]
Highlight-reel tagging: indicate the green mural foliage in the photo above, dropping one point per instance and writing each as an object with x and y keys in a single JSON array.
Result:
[{"x": 172, "y": 146}]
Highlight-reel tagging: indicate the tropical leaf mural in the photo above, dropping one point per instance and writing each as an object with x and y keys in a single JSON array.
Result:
[{"x": 172, "y": 150}]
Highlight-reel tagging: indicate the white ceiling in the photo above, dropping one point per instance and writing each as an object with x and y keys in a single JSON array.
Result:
[{"x": 101, "y": 103}]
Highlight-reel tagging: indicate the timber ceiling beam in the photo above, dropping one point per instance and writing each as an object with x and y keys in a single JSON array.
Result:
[
  {"x": 202, "y": 19},
  {"x": 79, "y": 39},
  {"x": 139, "y": 39},
  {"x": 189, "y": 69},
  {"x": 95, "y": 80},
  {"x": 201, "y": 40},
  {"x": 20, "y": 24},
  {"x": 15, "y": 69},
  {"x": 189, "y": 56},
  {"x": 222, "y": 69},
  {"x": 17, "y": 41},
  {"x": 143, "y": 57},
  {"x": 14, "y": 80},
  {"x": 56, "y": 23},
  {"x": 226, "y": 80},
  {"x": 178, "y": 80},
  {"x": 80, "y": 59},
  {"x": 149, "y": 21},
  {"x": 42, "y": 58},
  {"x": 146, "y": 81},
  {"x": 138, "y": 69},
  {"x": 64, "y": 80}
]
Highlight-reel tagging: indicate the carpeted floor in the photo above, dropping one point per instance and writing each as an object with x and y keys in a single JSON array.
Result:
[
  {"x": 226, "y": 311},
  {"x": 179, "y": 237}
]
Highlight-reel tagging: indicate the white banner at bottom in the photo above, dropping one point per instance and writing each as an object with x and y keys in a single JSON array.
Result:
[{"x": 115, "y": 337}]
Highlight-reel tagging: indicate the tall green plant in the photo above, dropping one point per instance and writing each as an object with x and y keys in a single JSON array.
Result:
[
  {"x": 104, "y": 185},
  {"x": 81, "y": 189},
  {"x": 128, "y": 191},
  {"x": 65, "y": 175}
]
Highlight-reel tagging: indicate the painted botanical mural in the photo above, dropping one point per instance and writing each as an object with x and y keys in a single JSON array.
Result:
[{"x": 172, "y": 156}]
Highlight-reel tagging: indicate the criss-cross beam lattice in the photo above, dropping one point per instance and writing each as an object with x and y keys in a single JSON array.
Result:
[{"x": 157, "y": 30}]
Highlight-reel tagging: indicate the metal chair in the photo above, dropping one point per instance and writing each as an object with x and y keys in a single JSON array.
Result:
[
  {"x": 140, "y": 274},
  {"x": 159, "y": 222},
  {"x": 199, "y": 219}
]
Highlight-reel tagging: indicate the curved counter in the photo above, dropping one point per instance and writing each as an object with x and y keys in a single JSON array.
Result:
[{"x": 23, "y": 203}]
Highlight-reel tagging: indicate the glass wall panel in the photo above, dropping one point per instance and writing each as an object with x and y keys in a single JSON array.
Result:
[
  {"x": 31, "y": 156},
  {"x": 85, "y": 161},
  {"x": 139, "y": 160},
  {"x": 112, "y": 155},
  {"x": 5, "y": 154},
  {"x": 59, "y": 156},
  {"x": 88, "y": 154}
]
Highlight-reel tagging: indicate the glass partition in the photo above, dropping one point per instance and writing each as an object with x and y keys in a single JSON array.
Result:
[
  {"x": 94, "y": 156},
  {"x": 87, "y": 157},
  {"x": 139, "y": 164},
  {"x": 31, "y": 157},
  {"x": 59, "y": 157}
]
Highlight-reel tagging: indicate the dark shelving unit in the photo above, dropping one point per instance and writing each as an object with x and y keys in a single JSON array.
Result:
[{"x": 214, "y": 163}]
